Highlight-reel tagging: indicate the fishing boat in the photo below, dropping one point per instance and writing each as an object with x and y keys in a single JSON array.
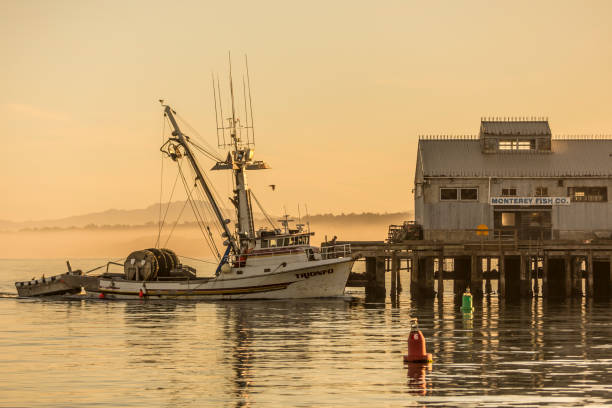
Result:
[{"x": 268, "y": 263}]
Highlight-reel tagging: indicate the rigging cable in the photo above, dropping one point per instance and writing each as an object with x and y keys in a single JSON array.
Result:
[
  {"x": 210, "y": 155},
  {"x": 175, "y": 222},
  {"x": 207, "y": 212},
  {"x": 213, "y": 192},
  {"x": 195, "y": 132},
  {"x": 199, "y": 260},
  {"x": 209, "y": 240},
  {"x": 163, "y": 221},
  {"x": 262, "y": 209},
  {"x": 207, "y": 209},
  {"x": 182, "y": 209}
]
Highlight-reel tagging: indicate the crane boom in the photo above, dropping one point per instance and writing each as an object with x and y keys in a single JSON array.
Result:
[{"x": 182, "y": 140}]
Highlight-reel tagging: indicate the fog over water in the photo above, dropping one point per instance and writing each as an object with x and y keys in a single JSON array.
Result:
[
  {"x": 185, "y": 240},
  {"x": 340, "y": 353}
]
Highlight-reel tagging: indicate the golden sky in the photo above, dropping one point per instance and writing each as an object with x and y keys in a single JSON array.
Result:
[{"x": 341, "y": 91}]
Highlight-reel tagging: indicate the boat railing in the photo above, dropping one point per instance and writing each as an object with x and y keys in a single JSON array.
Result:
[
  {"x": 277, "y": 251},
  {"x": 335, "y": 251}
]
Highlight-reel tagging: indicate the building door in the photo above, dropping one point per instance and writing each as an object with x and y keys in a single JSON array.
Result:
[{"x": 524, "y": 223}]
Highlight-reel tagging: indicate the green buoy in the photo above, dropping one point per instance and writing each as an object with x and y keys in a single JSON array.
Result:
[{"x": 466, "y": 302}]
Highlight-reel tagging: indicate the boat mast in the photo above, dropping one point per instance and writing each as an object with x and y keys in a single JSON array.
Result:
[
  {"x": 182, "y": 140},
  {"x": 239, "y": 160},
  {"x": 246, "y": 228}
]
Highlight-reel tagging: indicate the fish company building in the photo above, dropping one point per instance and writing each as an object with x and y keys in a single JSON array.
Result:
[
  {"x": 513, "y": 205},
  {"x": 514, "y": 180}
]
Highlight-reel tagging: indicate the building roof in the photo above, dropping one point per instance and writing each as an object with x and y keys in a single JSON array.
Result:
[
  {"x": 514, "y": 128},
  {"x": 464, "y": 158}
]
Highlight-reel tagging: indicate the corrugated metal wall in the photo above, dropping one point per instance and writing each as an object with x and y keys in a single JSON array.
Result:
[{"x": 576, "y": 221}]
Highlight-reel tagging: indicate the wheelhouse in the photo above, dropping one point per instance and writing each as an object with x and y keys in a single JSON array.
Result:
[{"x": 279, "y": 241}]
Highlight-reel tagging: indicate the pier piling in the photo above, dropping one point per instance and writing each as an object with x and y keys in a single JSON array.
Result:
[
  {"x": 441, "y": 271},
  {"x": 395, "y": 266},
  {"x": 589, "y": 281},
  {"x": 488, "y": 288},
  {"x": 476, "y": 276},
  {"x": 561, "y": 268},
  {"x": 462, "y": 276}
]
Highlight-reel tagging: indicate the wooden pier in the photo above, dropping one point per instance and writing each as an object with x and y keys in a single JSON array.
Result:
[{"x": 564, "y": 269}]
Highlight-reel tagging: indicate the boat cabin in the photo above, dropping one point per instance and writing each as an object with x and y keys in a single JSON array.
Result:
[{"x": 277, "y": 241}]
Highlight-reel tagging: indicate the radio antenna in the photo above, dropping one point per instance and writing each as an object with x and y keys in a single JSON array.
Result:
[
  {"x": 246, "y": 63},
  {"x": 216, "y": 112},
  {"x": 221, "y": 111},
  {"x": 231, "y": 81},
  {"x": 246, "y": 113}
]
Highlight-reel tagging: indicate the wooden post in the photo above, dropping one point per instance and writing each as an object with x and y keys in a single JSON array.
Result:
[
  {"x": 441, "y": 277},
  {"x": 536, "y": 276},
  {"x": 488, "y": 289},
  {"x": 414, "y": 275},
  {"x": 427, "y": 286},
  {"x": 610, "y": 284},
  {"x": 524, "y": 279},
  {"x": 398, "y": 279},
  {"x": 590, "y": 277},
  {"x": 529, "y": 275},
  {"x": 576, "y": 277},
  {"x": 380, "y": 276},
  {"x": 394, "y": 270},
  {"x": 568, "y": 276},
  {"x": 545, "y": 275},
  {"x": 370, "y": 273},
  {"x": 502, "y": 275},
  {"x": 476, "y": 276}
]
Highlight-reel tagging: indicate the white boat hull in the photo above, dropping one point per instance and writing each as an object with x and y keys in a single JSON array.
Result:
[{"x": 322, "y": 278}]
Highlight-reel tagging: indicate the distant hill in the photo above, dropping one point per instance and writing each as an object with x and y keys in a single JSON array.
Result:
[
  {"x": 150, "y": 215},
  {"x": 115, "y": 233},
  {"x": 141, "y": 216}
]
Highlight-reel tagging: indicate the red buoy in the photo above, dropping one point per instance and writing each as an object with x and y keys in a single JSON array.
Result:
[
  {"x": 417, "y": 350},
  {"x": 101, "y": 295}
]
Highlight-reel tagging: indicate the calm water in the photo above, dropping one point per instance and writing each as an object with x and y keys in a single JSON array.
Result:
[{"x": 298, "y": 353}]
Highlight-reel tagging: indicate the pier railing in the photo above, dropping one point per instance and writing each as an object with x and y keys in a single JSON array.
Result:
[{"x": 331, "y": 251}]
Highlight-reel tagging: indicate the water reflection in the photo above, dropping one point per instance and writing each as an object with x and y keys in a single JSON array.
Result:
[
  {"x": 240, "y": 355},
  {"x": 265, "y": 334},
  {"x": 417, "y": 378},
  {"x": 311, "y": 353}
]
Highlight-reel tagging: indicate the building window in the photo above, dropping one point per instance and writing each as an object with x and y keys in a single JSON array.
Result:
[
  {"x": 514, "y": 144},
  {"x": 541, "y": 192},
  {"x": 469, "y": 194},
  {"x": 508, "y": 192},
  {"x": 588, "y": 194},
  {"x": 508, "y": 219},
  {"x": 448, "y": 194},
  {"x": 463, "y": 194}
]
